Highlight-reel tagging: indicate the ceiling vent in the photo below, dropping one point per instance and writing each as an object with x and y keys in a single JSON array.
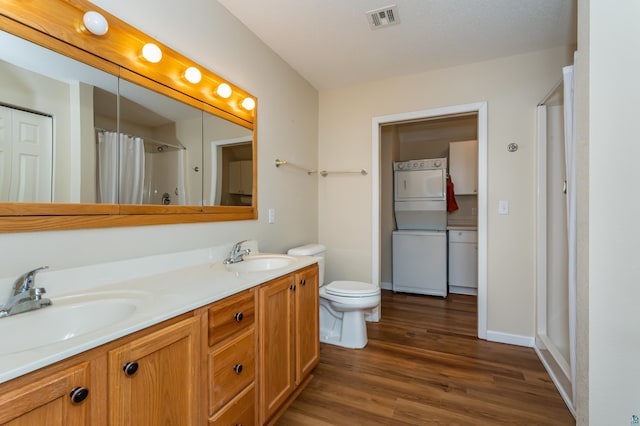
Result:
[{"x": 383, "y": 17}]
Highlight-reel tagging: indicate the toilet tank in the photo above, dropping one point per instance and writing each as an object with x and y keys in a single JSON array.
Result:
[{"x": 316, "y": 250}]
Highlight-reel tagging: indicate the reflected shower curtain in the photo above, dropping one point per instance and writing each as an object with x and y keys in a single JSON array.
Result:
[
  {"x": 570, "y": 158},
  {"x": 120, "y": 168}
]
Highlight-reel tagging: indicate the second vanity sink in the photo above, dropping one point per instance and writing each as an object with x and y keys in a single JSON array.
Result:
[
  {"x": 66, "y": 318},
  {"x": 262, "y": 263}
]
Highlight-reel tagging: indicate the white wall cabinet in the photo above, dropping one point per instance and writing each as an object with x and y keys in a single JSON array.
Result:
[
  {"x": 463, "y": 167},
  {"x": 241, "y": 177}
]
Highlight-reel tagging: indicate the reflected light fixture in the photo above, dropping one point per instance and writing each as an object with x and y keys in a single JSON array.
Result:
[
  {"x": 193, "y": 75},
  {"x": 95, "y": 23},
  {"x": 248, "y": 104},
  {"x": 224, "y": 90},
  {"x": 151, "y": 53}
]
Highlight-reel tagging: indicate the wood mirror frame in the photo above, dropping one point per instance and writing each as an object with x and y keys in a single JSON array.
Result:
[{"x": 58, "y": 25}]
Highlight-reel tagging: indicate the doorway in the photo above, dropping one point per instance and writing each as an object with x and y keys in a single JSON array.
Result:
[{"x": 380, "y": 188}]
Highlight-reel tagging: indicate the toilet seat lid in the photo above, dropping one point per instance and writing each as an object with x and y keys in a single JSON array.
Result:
[{"x": 352, "y": 289}]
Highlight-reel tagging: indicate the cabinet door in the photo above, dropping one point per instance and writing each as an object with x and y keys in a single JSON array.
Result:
[
  {"x": 163, "y": 389},
  {"x": 48, "y": 401},
  {"x": 463, "y": 167},
  {"x": 307, "y": 322},
  {"x": 277, "y": 362}
]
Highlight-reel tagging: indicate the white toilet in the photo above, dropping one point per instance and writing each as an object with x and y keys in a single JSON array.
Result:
[{"x": 342, "y": 304}]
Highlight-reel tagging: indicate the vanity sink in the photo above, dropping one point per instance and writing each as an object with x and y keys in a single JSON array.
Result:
[
  {"x": 262, "y": 263},
  {"x": 66, "y": 318}
]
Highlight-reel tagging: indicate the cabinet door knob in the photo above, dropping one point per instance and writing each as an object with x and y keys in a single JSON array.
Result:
[
  {"x": 79, "y": 394},
  {"x": 238, "y": 316},
  {"x": 130, "y": 368},
  {"x": 237, "y": 368}
]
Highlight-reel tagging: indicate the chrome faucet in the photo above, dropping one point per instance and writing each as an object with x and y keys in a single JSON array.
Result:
[
  {"x": 24, "y": 296},
  {"x": 237, "y": 253}
]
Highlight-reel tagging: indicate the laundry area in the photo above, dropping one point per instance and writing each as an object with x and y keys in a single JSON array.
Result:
[{"x": 429, "y": 205}]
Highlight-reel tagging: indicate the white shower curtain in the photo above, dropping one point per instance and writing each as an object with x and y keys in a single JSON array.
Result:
[
  {"x": 570, "y": 159},
  {"x": 120, "y": 168}
]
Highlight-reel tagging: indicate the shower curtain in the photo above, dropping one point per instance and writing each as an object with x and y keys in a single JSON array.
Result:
[
  {"x": 570, "y": 159},
  {"x": 120, "y": 168}
]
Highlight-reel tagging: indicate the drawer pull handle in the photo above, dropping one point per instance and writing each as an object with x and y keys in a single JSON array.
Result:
[
  {"x": 130, "y": 368},
  {"x": 79, "y": 394},
  {"x": 237, "y": 368},
  {"x": 238, "y": 316}
]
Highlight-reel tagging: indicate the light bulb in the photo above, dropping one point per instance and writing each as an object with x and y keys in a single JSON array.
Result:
[
  {"x": 224, "y": 90},
  {"x": 193, "y": 75},
  {"x": 151, "y": 53},
  {"x": 95, "y": 23},
  {"x": 248, "y": 104}
]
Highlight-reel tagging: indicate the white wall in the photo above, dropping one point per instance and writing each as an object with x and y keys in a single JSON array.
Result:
[
  {"x": 287, "y": 128},
  {"x": 608, "y": 96},
  {"x": 512, "y": 86}
]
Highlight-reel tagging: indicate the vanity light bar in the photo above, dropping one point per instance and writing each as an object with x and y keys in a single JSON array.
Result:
[{"x": 216, "y": 92}]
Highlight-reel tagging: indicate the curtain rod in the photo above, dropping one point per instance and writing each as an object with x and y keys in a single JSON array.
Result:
[
  {"x": 145, "y": 139},
  {"x": 551, "y": 92}
]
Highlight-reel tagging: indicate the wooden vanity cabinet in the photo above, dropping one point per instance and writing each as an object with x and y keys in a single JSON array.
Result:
[
  {"x": 289, "y": 339},
  {"x": 48, "y": 398},
  {"x": 231, "y": 355},
  {"x": 154, "y": 379},
  {"x": 238, "y": 361}
]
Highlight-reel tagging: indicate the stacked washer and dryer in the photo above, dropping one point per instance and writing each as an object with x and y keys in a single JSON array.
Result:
[{"x": 419, "y": 244}]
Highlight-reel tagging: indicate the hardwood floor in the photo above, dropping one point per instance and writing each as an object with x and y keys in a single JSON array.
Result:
[{"x": 423, "y": 365}]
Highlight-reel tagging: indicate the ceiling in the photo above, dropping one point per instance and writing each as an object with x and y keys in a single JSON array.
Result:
[{"x": 330, "y": 42}]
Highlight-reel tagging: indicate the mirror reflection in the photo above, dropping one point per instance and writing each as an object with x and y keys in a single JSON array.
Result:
[
  {"x": 47, "y": 149},
  {"x": 63, "y": 138},
  {"x": 228, "y": 163}
]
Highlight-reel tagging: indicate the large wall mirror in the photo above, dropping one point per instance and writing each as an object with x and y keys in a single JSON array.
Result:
[{"x": 109, "y": 145}]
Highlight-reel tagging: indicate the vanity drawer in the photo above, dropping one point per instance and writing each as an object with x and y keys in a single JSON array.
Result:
[
  {"x": 240, "y": 411},
  {"x": 231, "y": 369},
  {"x": 231, "y": 315}
]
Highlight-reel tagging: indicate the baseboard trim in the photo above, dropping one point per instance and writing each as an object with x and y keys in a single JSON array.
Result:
[
  {"x": 511, "y": 339},
  {"x": 386, "y": 286}
]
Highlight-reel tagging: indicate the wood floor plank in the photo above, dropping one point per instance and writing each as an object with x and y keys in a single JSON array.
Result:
[{"x": 425, "y": 366}]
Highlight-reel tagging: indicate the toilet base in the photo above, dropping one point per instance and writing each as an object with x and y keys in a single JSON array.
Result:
[{"x": 346, "y": 329}]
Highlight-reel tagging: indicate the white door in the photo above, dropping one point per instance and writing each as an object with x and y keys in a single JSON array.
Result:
[
  {"x": 419, "y": 185},
  {"x": 26, "y": 151}
]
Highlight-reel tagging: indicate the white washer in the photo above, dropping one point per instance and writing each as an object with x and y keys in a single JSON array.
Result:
[{"x": 420, "y": 262}]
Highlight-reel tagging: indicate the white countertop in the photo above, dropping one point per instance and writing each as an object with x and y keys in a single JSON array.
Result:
[{"x": 168, "y": 285}]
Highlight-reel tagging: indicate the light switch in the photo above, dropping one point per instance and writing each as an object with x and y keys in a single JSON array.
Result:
[
  {"x": 272, "y": 215},
  {"x": 503, "y": 207}
]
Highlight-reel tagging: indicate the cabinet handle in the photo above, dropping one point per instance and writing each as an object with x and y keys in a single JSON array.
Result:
[
  {"x": 303, "y": 282},
  {"x": 292, "y": 287},
  {"x": 79, "y": 394},
  {"x": 237, "y": 368},
  {"x": 130, "y": 368},
  {"x": 238, "y": 316}
]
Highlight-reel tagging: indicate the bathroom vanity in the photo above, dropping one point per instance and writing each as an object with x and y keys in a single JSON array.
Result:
[{"x": 206, "y": 343}]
